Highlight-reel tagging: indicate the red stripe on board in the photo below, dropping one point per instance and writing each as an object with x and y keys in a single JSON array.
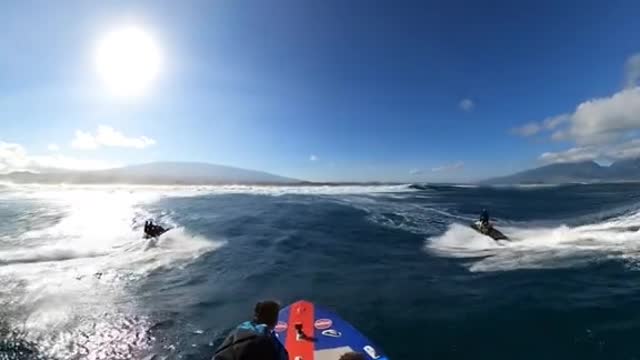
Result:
[{"x": 300, "y": 312}]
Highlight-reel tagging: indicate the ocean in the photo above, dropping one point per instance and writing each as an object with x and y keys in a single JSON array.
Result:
[{"x": 77, "y": 281}]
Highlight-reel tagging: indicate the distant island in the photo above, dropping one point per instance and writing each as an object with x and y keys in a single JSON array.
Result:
[
  {"x": 195, "y": 173},
  {"x": 157, "y": 173},
  {"x": 579, "y": 172}
]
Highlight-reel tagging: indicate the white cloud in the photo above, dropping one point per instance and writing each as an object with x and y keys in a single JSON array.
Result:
[
  {"x": 553, "y": 122},
  {"x": 14, "y": 157},
  {"x": 313, "y": 158},
  {"x": 53, "y": 147},
  {"x": 559, "y": 135},
  {"x": 597, "y": 121},
  {"x": 449, "y": 167},
  {"x": 629, "y": 149},
  {"x": 605, "y": 128},
  {"x": 466, "y": 104},
  {"x": 576, "y": 154},
  {"x": 534, "y": 128},
  {"x": 632, "y": 71},
  {"x": 605, "y": 120},
  {"x": 624, "y": 150},
  {"x": 528, "y": 129},
  {"x": 108, "y": 136},
  {"x": 84, "y": 141},
  {"x": 415, "y": 172}
]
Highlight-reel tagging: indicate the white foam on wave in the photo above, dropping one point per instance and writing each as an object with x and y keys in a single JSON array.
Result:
[
  {"x": 73, "y": 279},
  {"x": 84, "y": 263},
  {"x": 95, "y": 222},
  {"x": 465, "y": 186},
  {"x": 542, "y": 247},
  {"x": 408, "y": 216},
  {"x": 148, "y": 192},
  {"x": 529, "y": 186},
  {"x": 176, "y": 247},
  {"x": 44, "y": 254}
]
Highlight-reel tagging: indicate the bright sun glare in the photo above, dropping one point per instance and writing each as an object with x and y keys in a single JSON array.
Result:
[{"x": 128, "y": 60}]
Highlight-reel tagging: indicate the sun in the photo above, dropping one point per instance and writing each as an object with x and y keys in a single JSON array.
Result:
[{"x": 128, "y": 60}]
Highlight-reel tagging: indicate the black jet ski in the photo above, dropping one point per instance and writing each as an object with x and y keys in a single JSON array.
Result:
[
  {"x": 490, "y": 231},
  {"x": 152, "y": 230}
]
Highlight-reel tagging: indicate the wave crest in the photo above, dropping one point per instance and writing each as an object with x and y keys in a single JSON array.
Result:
[{"x": 542, "y": 247}]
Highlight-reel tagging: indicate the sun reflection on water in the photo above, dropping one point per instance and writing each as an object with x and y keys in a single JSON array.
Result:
[{"x": 68, "y": 288}]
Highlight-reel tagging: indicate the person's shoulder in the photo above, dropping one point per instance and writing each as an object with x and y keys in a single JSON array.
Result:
[
  {"x": 260, "y": 347},
  {"x": 252, "y": 326},
  {"x": 251, "y": 329},
  {"x": 247, "y": 325}
]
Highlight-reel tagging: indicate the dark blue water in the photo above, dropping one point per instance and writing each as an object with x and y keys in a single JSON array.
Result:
[{"x": 399, "y": 264}]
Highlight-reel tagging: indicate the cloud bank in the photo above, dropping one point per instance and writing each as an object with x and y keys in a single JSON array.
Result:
[
  {"x": 605, "y": 128},
  {"x": 14, "y": 157},
  {"x": 108, "y": 137}
]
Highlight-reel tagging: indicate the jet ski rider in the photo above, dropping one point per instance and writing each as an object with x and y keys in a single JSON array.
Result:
[
  {"x": 152, "y": 230},
  {"x": 484, "y": 220}
]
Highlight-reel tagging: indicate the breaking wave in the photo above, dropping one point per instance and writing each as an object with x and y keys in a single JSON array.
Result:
[{"x": 541, "y": 247}]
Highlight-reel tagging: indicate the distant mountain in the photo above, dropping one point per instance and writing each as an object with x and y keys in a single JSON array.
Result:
[
  {"x": 587, "y": 171},
  {"x": 625, "y": 167},
  {"x": 158, "y": 173}
]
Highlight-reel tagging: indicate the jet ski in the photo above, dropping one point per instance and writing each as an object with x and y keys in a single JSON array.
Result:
[
  {"x": 152, "y": 230},
  {"x": 490, "y": 231}
]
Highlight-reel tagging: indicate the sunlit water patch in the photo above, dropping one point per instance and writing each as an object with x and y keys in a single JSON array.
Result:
[{"x": 78, "y": 281}]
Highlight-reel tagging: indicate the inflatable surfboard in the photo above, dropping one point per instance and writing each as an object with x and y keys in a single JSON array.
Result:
[{"x": 310, "y": 332}]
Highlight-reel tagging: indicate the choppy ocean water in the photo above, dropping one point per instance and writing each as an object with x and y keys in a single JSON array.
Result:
[{"x": 78, "y": 281}]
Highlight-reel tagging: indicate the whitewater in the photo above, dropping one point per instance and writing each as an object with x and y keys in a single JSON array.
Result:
[{"x": 77, "y": 280}]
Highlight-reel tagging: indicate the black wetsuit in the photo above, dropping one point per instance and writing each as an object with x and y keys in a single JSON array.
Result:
[
  {"x": 152, "y": 230},
  {"x": 484, "y": 218},
  {"x": 251, "y": 341}
]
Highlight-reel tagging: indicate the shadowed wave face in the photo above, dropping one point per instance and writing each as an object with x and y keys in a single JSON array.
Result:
[{"x": 78, "y": 281}]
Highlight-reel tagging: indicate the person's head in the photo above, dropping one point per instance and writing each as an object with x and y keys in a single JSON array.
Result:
[
  {"x": 352, "y": 355},
  {"x": 266, "y": 312}
]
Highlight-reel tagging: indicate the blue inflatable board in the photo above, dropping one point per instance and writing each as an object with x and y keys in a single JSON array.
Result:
[{"x": 310, "y": 332}]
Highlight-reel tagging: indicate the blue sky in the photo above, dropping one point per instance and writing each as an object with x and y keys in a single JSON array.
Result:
[{"x": 327, "y": 90}]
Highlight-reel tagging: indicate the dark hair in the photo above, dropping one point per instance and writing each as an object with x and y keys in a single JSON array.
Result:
[
  {"x": 266, "y": 312},
  {"x": 352, "y": 355}
]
